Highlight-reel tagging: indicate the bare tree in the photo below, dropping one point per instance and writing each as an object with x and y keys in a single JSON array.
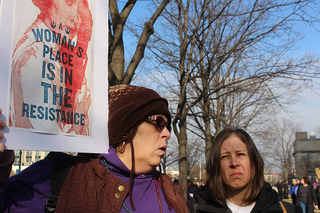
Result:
[
  {"x": 231, "y": 54},
  {"x": 241, "y": 76},
  {"x": 117, "y": 72},
  {"x": 184, "y": 19},
  {"x": 277, "y": 144},
  {"x": 198, "y": 171},
  {"x": 194, "y": 150}
]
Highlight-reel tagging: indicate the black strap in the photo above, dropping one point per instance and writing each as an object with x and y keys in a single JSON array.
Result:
[
  {"x": 62, "y": 163},
  {"x": 291, "y": 207}
]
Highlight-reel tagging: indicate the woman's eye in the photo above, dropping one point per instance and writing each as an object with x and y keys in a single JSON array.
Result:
[{"x": 224, "y": 157}]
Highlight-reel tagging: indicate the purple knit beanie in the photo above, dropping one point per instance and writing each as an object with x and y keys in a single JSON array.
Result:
[{"x": 130, "y": 105}]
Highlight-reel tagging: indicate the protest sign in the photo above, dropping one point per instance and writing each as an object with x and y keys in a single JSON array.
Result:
[
  {"x": 54, "y": 82},
  {"x": 317, "y": 172}
]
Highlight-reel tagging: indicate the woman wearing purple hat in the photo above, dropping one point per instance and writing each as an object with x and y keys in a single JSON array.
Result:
[{"x": 124, "y": 180}]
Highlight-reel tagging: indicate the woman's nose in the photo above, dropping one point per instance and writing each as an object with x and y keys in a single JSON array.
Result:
[
  {"x": 234, "y": 162},
  {"x": 166, "y": 133}
]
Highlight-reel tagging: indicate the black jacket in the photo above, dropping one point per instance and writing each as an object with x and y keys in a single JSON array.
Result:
[
  {"x": 191, "y": 190},
  {"x": 285, "y": 188},
  {"x": 311, "y": 198},
  {"x": 268, "y": 202}
]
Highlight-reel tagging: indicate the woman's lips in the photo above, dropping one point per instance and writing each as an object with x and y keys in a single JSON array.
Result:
[{"x": 234, "y": 175}]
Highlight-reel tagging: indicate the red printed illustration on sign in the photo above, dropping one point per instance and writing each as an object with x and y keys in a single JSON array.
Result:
[{"x": 49, "y": 79}]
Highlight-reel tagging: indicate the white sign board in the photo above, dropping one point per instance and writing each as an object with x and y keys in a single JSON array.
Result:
[{"x": 53, "y": 80}]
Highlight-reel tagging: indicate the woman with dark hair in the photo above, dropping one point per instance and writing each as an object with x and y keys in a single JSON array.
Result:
[
  {"x": 235, "y": 178},
  {"x": 306, "y": 196},
  {"x": 123, "y": 180}
]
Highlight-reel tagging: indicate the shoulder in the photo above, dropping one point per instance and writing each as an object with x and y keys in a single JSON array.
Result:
[
  {"x": 204, "y": 203},
  {"x": 27, "y": 45},
  {"x": 164, "y": 178},
  {"x": 309, "y": 187},
  {"x": 30, "y": 42},
  {"x": 158, "y": 174},
  {"x": 174, "y": 193},
  {"x": 167, "y": 183},
  {"x": 280, "y": 206},
  {"x": 291, "y": 208},
  {"x": 268, "y": 200}
]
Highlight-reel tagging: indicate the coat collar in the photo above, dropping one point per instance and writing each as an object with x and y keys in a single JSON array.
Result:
[{"x": 206, "y": 203}]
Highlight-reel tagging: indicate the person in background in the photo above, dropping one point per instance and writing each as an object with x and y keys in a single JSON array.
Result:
[
  {"x": 193, "y": 187},
  {"x": 285, "y": 190},
  {"x": 306, "y": 196},
  {"x": 123, "y": 180},
  {"x": 280, "y": 188},
  {"x": 235, "y": 179},
  {"x": 316, "y": 188},
  {"x": 293, "y": 190},
  {"x": 316, "y": 183}
]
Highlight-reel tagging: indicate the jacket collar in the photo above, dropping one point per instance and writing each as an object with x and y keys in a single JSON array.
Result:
[{"x": 206, "y": 203}]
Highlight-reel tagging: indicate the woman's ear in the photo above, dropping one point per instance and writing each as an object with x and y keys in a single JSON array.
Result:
[{"x": 121, "y": 147}]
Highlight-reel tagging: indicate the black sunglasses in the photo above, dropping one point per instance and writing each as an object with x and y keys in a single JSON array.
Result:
[{"x": 159, "y": 122}]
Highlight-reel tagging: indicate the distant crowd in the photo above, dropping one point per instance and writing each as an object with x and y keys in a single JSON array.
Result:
[{"x": 302, "y": 192}]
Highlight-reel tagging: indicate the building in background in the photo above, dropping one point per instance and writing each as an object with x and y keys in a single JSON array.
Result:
[
  {"x": 27, "y": 158},
  {"x": 173, "y": 174},
  {"x": 306, "y": 155}
]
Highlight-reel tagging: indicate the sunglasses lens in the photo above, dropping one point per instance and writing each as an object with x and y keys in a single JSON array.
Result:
[
  {"x": 160, "y": 122},
  {"x": 168, "y": 127}
]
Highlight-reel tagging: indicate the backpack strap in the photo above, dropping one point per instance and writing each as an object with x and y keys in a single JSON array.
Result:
[
  {"x": 289, "y": 207},
  {"x": 283, "y": 208},
  {"x": 62, "y": 163}
]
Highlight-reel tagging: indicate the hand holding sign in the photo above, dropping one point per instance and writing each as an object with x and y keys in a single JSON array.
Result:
[{"x": 6, "y": 156}]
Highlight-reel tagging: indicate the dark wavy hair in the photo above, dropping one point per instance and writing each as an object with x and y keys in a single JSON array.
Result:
[
  {"x": 306, "y": 180},
  {"x": 215, "y": 186}
]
